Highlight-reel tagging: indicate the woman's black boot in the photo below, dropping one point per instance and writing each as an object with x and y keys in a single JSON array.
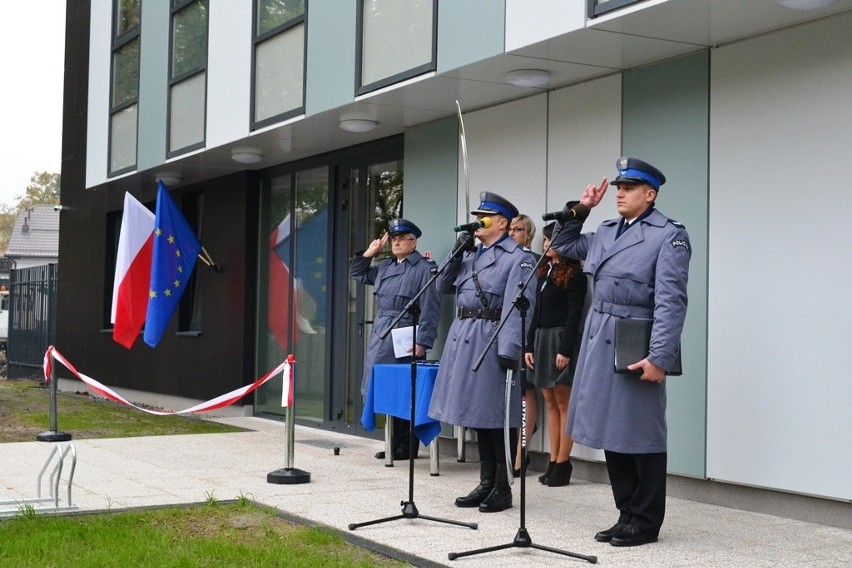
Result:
[
  {"x": 543, "y": 478},
  {"x": 561, "y": 474}
]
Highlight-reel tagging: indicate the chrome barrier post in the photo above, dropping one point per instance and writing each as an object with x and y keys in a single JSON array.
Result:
[{"x": 289, "y": 475}]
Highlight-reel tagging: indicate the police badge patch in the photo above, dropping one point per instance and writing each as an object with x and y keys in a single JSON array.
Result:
[{"x": 681, "y": 243}]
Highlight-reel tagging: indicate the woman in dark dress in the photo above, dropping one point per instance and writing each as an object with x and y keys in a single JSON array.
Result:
[{"x": 552, "y": 344}]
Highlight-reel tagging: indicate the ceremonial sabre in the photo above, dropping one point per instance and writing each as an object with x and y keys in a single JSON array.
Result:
[
  {"x": 463, "y": 144},
  {"x": 506, "y": 428}
]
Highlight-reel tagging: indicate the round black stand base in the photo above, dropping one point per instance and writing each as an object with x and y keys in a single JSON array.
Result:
[
  {"x": 286, "y": 476},
  {"x": 53, "y": 436}
]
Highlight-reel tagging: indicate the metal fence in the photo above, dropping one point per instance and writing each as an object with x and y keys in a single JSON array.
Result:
[{"x": 32, "y": 319}]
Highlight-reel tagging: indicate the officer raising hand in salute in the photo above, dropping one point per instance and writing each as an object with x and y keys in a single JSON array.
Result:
[
  {"x": 395, "y": 281},
  {"x": 638, "y": 264}
]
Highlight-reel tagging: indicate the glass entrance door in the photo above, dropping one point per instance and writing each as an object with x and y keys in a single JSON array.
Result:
[
  {"x": 293, "y": 288},
  {"x": 372, "y": 189},
  {"x": 313, "y": 219}
]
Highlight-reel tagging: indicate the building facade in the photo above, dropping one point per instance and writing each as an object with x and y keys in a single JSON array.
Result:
[{"x": 289, "y": 132}]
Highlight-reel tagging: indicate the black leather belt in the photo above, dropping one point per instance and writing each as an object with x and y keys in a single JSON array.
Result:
[{"x": 479, "y": 313}]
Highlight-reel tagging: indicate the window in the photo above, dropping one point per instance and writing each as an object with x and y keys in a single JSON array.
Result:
[
  {"x": 279, "y": 60},
  {"x": 397, "y": 40},
  {"x": 187, "y": 75},
  {"x": 124, "y": 87},
  {"x": 598, "y": 7}
]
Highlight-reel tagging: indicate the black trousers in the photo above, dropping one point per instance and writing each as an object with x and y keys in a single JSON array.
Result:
[
  {"x": 400, "y": 436},
  {"x": 492, "y": 446},
  {"x": 639, "y": 488}
]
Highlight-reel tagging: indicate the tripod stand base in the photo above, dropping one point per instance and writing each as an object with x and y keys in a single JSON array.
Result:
[
  {"x": 409, "y": 511},
  {"x": 286, "y": 476},
  {"x": 523, "y": 540},
  {"x": 53, "y": 436}
]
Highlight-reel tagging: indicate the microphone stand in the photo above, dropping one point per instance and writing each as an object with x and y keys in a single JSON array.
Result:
[
  {"x": 409, "y": 509},
  {"x": 522, "y": 537}
]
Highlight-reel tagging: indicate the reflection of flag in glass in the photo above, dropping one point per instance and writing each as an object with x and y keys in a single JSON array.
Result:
[
  {"x": 310, "y": 276},
  {"x": 175, "y": 250},
  {"x": 278, "y": 306}
]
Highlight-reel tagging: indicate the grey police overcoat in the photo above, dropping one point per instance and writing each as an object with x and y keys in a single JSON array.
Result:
[
  {"x": 477, "y": 399},
  {"x": 394, "y": 284},
  {"x": 640, "y": 275}
]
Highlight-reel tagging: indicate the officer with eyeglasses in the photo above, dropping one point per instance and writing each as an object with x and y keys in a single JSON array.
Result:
[{"x": 396, "y": 279}]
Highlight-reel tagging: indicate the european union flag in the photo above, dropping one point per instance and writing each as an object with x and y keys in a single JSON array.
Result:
[{"x": 175, "y": 250}]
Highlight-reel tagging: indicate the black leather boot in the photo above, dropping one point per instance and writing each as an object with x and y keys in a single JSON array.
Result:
[
  {"x": 543, "y": 477},
  {"x": 561, "y": 474},
  {"x": 486, "y": 484},
  {"x": 500, "y": 497}
]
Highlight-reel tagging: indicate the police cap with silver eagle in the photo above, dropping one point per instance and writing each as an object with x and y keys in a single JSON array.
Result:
[
  {"x": 635, "y": 171},
  {"x": 401, "y": 225},
  {"x": 492, "y": 204}
]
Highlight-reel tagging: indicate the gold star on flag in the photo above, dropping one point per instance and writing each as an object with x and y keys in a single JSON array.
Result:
[
  {"x": 167, "y": 292},
  {"x": 152, "y": 294},
  {"x": 177, "y": 283},
  {"x": 171, "y": 240}
]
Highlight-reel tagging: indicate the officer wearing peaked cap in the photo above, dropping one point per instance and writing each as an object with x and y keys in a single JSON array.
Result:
[
  {"x": 485, "y": 282},
  {"x": 638, "y": 264},
  {"x": 396, "y": 280}
]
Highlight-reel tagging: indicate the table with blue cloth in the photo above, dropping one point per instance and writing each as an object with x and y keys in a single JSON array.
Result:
[{"x": 389, "y": 392}]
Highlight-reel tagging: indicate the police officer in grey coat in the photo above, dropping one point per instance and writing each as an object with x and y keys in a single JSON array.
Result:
[
  {"x": 485, "y": 282},
  {"x": 638, "y": 264},
  {"x": 396, "y": 280}
]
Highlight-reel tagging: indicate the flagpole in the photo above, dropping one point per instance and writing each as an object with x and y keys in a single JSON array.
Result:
[{"x": 208, "y": 260}]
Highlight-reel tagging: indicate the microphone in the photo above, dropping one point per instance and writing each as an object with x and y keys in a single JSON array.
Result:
[
  {"x": 483, "y": 223},
  {"x": 577, "y": 210}
]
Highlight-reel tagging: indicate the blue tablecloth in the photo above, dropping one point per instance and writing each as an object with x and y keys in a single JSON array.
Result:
[{"x": 389, "y": 392}]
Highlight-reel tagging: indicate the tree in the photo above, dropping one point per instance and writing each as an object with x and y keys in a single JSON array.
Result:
[{"x": 43, "y": 189}]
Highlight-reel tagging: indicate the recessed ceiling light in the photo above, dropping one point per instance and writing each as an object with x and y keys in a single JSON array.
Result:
[
  {"x": 245, "y": 155},
  {"x": 537, "y": 78},
  {"x": 169, "y": 178},
  {"x": 358, "y": 124},
  {"x": 806, "y": 4}
]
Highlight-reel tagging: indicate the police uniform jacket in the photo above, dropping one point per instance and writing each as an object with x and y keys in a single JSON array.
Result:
[
  {"x": 394, "y": 284},
  {"x": 462, "y": 396},
  {"x": 640, "y": 275}
]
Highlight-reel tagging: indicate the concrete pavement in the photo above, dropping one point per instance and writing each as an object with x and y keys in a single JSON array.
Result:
[{"x": 354, "y": 487}]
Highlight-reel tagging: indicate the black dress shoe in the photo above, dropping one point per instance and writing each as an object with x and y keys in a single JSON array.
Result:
[
  {"x": 498, "y": 500},
  {"x": 606, "y": 536},
  {"x": 380, "y": 455},
  {"x": 477, "y": 496},
  {"x": 631, "y": 535}
]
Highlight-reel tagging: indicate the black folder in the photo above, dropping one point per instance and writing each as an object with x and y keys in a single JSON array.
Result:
[{"x": 632, "y": 343}]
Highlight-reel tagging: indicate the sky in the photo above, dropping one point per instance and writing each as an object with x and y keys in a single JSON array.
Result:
[{"x": 32, "y": 52}]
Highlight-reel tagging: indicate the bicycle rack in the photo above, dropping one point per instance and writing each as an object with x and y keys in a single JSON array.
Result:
[{"x": 53, "y": 486}]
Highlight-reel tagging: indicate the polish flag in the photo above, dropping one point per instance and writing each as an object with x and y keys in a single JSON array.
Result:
[{"x": 132, "y": 271}]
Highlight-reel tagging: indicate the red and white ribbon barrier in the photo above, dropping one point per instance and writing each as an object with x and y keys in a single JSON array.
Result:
[
  {"x": 288, "y": 386},
  {"x": 218, "y": 402}
]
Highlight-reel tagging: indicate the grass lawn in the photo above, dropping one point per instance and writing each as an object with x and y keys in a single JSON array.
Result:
[
  {"x": 25, "y": 412},
  {"x": 237, "y": 534}
]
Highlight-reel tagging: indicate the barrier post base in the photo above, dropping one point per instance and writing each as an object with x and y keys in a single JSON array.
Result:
[
  {"x": 53, "y": 436},
  {"x": 288, "y": 476}
]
